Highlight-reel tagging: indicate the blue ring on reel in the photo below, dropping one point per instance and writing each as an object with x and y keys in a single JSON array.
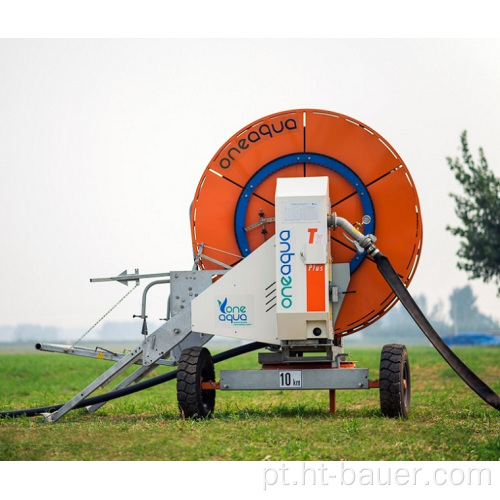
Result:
[{"x": 292, "y": 159}]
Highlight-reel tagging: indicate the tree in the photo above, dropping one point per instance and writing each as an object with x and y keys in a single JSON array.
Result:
[
  {"x": 479, "y": 212},
  {"x": 464, "y": 313}
]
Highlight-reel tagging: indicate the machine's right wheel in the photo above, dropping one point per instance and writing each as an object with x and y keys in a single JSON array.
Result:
[
  {"x": 394, "y": 380},
  {"x": 195, "y": 366}
]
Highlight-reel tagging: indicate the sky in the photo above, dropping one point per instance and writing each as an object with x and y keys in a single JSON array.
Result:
[{"x": 103, "y": 142}]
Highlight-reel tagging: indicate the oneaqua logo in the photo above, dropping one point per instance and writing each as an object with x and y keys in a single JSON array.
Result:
[
  {"x": 285, "y": 259},
  {"x": 236, "y": 315}
]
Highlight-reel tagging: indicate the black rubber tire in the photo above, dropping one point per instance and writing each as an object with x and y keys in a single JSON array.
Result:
[
  {"x": 195, "y": 366},
  {"x": 395, "y": 382}
]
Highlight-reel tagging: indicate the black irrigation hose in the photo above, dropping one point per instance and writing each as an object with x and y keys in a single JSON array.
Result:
[
  {"x": 140, "y": 386},
  {"x": 462, "y": 370}
]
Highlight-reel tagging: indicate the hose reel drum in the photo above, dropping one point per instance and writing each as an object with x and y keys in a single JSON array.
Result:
[{"x": 233, "y": 210}]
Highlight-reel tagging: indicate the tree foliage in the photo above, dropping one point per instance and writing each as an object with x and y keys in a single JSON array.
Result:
[
  {"x": 478, "y": 210},
  {"x": 464, "y": 313}
]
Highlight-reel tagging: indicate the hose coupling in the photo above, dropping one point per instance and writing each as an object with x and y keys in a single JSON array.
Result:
[{"x": 362, "y": 242}]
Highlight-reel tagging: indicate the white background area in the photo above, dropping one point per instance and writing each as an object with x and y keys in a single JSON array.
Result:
[{"x": 103, "y": 143}]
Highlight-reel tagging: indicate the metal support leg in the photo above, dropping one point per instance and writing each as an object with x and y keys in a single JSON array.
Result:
[
  {"x": 105, "y": 378},
  {"x": 333, "y": 401},
  {"x": 139, "y": 374},
  {"x": 155, "y": 347}
]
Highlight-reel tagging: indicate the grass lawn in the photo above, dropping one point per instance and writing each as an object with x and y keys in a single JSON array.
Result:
[{"x": 447, "y": 420}]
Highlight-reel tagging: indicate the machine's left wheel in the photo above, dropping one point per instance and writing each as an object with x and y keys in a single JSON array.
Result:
[{"x": 195, "y": 366}]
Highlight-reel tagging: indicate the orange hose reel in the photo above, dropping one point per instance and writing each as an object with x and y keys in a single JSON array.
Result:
[{"x": 235, "y": 198}]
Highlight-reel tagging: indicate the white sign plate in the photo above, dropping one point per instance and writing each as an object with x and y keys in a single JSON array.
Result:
[{"x": 290, "y": 379}]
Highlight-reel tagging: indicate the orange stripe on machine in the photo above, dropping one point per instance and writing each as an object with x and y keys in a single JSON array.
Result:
[{"x": 315, "y": 282}]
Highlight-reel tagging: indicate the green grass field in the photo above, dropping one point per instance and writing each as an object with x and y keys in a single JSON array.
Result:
[{"x": 447, "y": 420}]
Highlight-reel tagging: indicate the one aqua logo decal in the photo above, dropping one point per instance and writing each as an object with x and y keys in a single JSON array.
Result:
[
  {"x": 222, "y": 305},
  {"x": 255, "y": 135},
  {"x": 285, "y": 266},
  {"x": 236, "y": 315}
]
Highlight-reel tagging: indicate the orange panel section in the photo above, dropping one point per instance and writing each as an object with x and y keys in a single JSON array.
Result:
[
  {"x": 367, "y": 296},
  {"x": 212, "y": 220},
  {"x": 315, "y": 283},
  {"x": 259, "y": 143},
  {"x": 398, "y": 227},
  {"x": 351, "y": 142}
]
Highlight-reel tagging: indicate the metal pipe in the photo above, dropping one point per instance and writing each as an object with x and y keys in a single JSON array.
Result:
[
  {"x": 144, "y": 294},
  {"x": 96, "y": 353},
  {"x": 365, "y": 241},
  {"x": 124, "y": 277}
]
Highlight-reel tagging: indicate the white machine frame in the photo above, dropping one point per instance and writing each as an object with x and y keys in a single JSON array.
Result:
[{"x": 286, "y": 294}]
